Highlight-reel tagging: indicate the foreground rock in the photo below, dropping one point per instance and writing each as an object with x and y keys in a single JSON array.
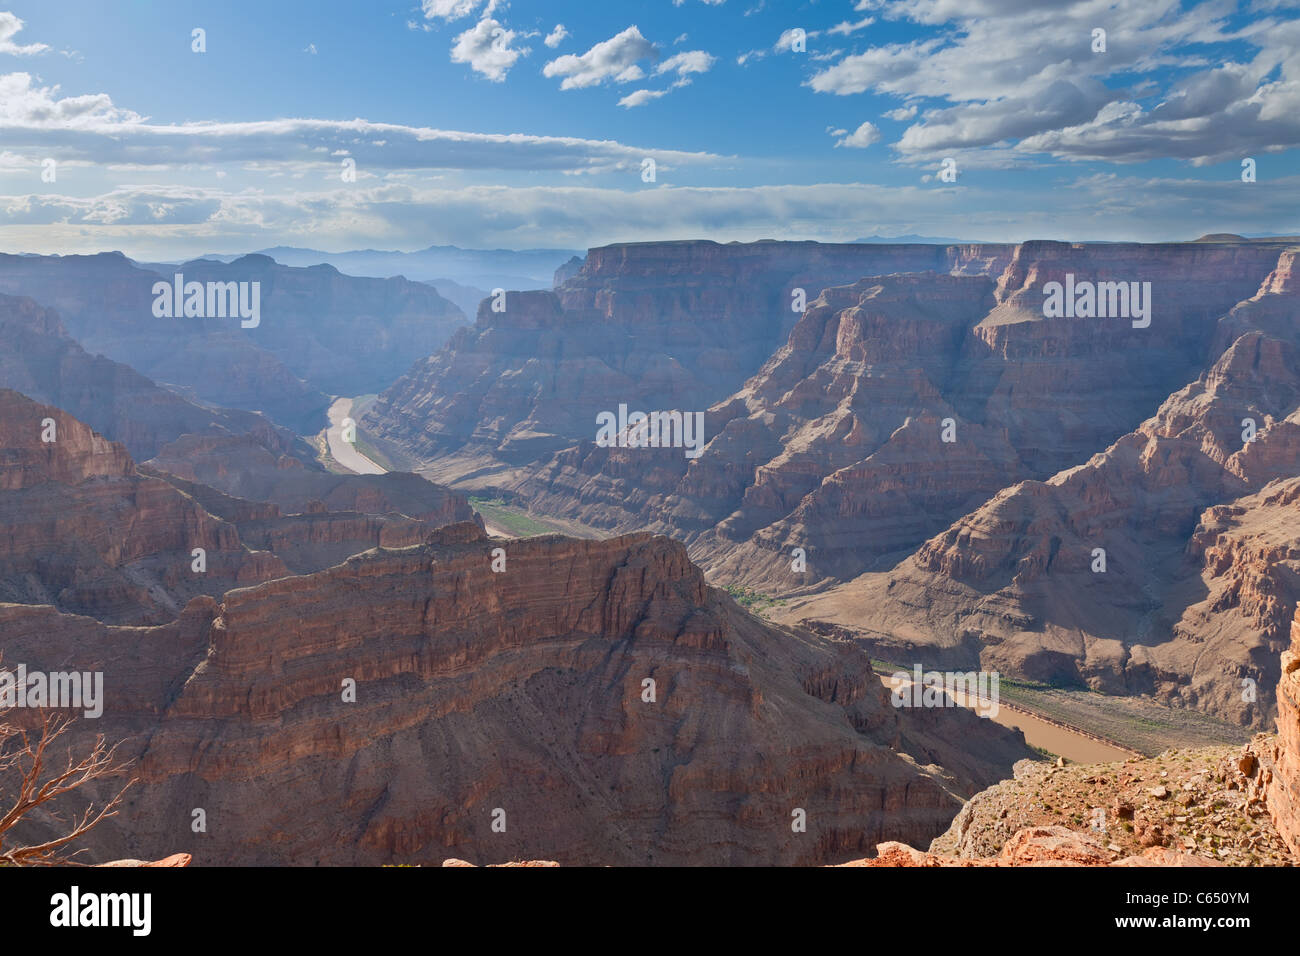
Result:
[
  {"x": 1035, "y": 846},
  {"x": 1197, "y": 802},
  {"x": 507, "y": 716},
  {"x": 1283, "y": 790},
  {"x": 175, "y": 860}
]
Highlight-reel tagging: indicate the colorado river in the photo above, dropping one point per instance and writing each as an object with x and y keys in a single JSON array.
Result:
[
  {"x": 1070, "y": 744},
  {"x": 345, "y": 453}
]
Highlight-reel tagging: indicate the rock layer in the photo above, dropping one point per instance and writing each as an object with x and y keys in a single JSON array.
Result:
[
  {"x": 1284, "y": 787},
  {"x": 834, "y": 445},
  {"x": 43, "y": 362},
  {"x": 516, "y": 697}
]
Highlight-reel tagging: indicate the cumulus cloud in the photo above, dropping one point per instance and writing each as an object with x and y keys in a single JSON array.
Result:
[
  {"x": 556, "y": 36},
  {"x": 486, "y": 48},
  {"x": 683, "y": 64},
  {"x": 10, "y": 26},
  {"x": 617, "y": 59},
  {"x": 27, "y": 106},
  {"x": 902, "y": 114},
  {"x": 860, "y": 138},
  {"x": 686, "y": 63},
  {"x": 454, "y": 9}
]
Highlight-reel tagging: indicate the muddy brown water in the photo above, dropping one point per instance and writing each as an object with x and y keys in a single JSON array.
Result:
[{"x": 1073, "y": 745}]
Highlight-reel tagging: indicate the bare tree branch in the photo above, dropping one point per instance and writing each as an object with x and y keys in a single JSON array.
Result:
[{"x": 24, "y": 762}]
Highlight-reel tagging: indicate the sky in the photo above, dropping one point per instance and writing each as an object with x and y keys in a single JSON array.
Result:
[{"x": 518, "y": 124}]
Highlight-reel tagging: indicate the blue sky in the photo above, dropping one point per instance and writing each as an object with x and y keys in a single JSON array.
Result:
[{"x": 526, "y": 124}]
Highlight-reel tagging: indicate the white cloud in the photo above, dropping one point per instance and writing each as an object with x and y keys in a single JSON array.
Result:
[
  {"x": 454, "y": 9},
  {"x": 860, "y": 138},
  {"x": 750, "y": 55},
  {"x": 846, "y": 28},
  {"x": 683, "y": 64},
  {"x": 614, "y": 59},
  {"x": 91, "y": 128},
  {"x": 486, "y": 48},
  {"x": 310, "y": 48},
  {"x": 10, "y": 26},
  {"x": 785, "y": 41},
  {"x": 902, "y": 114},
  {"x": 641, "y": 97},
  {"x": 686, "y": 63},
  {"x": 556, "y": 36},
  {"x": 1020, "y": 77},
  {"x": 166, "y": 222},
  {"x": 28, "y": 106}
]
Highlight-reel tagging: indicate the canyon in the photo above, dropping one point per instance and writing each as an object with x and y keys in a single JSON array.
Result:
[
  {"x": 854, "y": 448},
  {"x": 382, "y": 700},
  {"x": 903, "y": 456},
  {"x": 321, "y": 332}
]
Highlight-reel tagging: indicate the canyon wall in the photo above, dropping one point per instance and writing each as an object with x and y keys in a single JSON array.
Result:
[
  {"x": 1284, "y": 787},
  {"x": 582, "y": 700},
  {"x": 320, "y": 333},
  {"x": 520, "y": 692},
  {"x": 43, "y": 362},
  {"x": 657, "y": 325},
  {"x": 835, "y": 444}
]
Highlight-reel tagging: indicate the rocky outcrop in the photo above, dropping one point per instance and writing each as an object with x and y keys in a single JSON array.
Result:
[
  {"x": 1035, "y": 846},
  {"x": 89, "y": 532},
  {"x": 83, "y": 530},
  {"x": 671, "y": 325},
  {"x": 848, "y": 399},
  {"x": 836, "y": 445},
  {"x": 1283, "y": 789},
  {"x": 507, "y": 715},
  {"x": 240, "y": 467},
  {"x": 1205, "y": 807},
  {"x": 318, "y": 536},
  {"x": 1167, "y": 565}
]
